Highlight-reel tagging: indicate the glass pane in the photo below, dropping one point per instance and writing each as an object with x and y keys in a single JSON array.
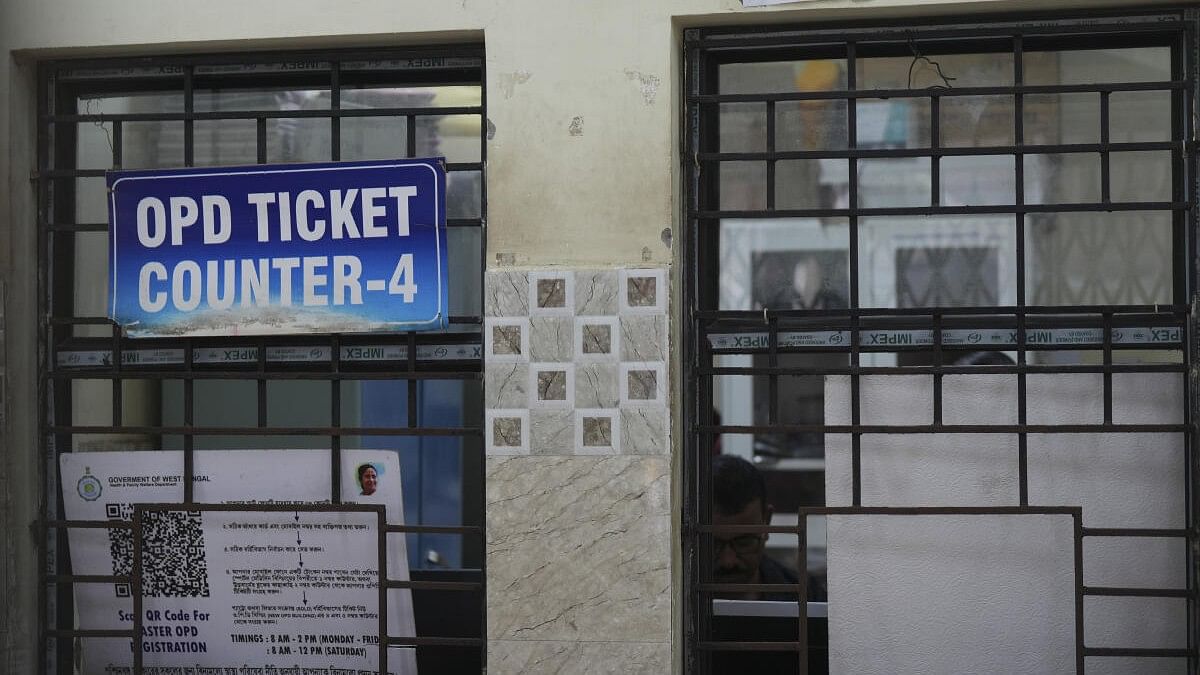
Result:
[
  {"x": 412, "y": 97},
  {"x": 1059, "y": 119},
  {"x": 743, "y": 127},
  {"x": 464, "y": 194},
  {"x": 374, "y": 137},
  {"x": 982, "y": 180},
  {"x": 1099, "y": 258},
  {"x": 298, "y": 403},
  {"x": 935, "y": 71},
  {"x": 940, "y": 261},
  {"x": 1140, "y": 176},
  {"x": 782, "y": 76},
  {"x": 893, "y": 123},
  {"x": 976, "y": 121},
  {"x": 743, "y": 185},
  {"x": 300, "y": 139},
  {"x": 785, "y": 263},
  {"x": 222, "y": 403},
  {"x": 898, "y": 182},
  {"x": 225, "y": 142},
  {"x": 90, "y": 273},
  {"x": 810, "y": 125},
  {"x": 1139, "y": 116},
  {"x": 274, "y": 98},
  {"x": 1090, "y": 66},
  {"x": 455, "y": 137},
  {"x": 152, "y": 145},
  {"x": 91, "y": 200},
  {"x": 94, "y": 147},
  {"x": 1062, "y": 178},
  {"x": 465, "y": 263},
  {"x": 812, "y": 183}
]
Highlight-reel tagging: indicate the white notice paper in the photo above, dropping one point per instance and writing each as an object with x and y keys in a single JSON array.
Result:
[{"x": 262, "y": 590}]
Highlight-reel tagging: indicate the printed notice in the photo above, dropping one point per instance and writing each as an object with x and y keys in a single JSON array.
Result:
[{"x": 225, "y": 591}]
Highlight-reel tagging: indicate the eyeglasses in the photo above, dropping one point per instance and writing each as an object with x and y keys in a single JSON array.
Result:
[{"x": 743, "y": 544}]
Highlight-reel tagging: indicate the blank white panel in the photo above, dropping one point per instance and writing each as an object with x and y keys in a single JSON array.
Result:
[
  {"x": 951, "y": 594},
  {"x": 940, "y": 470}
]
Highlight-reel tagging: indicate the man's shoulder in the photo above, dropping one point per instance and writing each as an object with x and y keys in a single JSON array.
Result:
[{"x": 772, "y": 572}]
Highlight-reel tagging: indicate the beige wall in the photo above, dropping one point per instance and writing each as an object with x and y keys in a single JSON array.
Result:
[{"x": 602, "y": 197}]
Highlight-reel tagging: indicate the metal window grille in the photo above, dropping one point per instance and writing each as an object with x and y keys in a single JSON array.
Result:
[
  {"x": 744, "y": 171},
  {"x": 257, "y": 108}
]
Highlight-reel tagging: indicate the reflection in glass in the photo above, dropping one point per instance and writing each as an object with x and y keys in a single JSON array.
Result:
[
  {"x": 1090, "y": 66},
  {"x": 894, "y": 182},
  {"x": 782, "y": 76},
  {"x": 1141, "y": 176},
  {"x": 1068, "y": 178},
  {"x": 976, "y": 121},
  {"x": 786, "y": 263},
  {"x": 743, "y": 127},
  {"x": 979, "y": 180},
  {"x": 1139, "y": 116},
  {"x": 1060, "y": 119},
  {"x": 892, "y": 123},
  {"x": 925, "y": 71},
  {"x": 1122, "y": 257}
]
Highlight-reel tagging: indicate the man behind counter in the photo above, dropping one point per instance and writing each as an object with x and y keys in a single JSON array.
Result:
[{"x": 740, "y": 498}]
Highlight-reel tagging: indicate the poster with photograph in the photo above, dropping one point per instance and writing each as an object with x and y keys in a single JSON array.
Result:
[{"x": 227, "y": 616}]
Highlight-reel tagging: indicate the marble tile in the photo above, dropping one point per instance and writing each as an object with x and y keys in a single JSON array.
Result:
[
  {"x": 596, "y": 385},
  {"x": 552, "y": 292},
  {"x": 506, "y": 431},
  {"x": 504, "y": 385},
  {"x": 578, "y": 548},
  {"x": 643, "y": 383},
  {"x": 552, "y": 432},
  {"x": 546, "y": 657},
  {"x": 643, "y": 338},
  {"x": 644, "y": 430},
  {"x": 595, "y": 292},
  {"x": 597, "y": 338},
  {"x": 551, "y": 338},
  {"x": 505, "y": 339},
  {"x": 506, "y": 293},
  {"x": 552, "y": 385},
  {"x": 643, "y": 290},
  {"x": 597, "y": 431}
]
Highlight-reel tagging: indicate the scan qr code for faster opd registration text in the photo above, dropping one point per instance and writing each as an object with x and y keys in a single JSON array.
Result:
[{"x": 173, "y": 562}]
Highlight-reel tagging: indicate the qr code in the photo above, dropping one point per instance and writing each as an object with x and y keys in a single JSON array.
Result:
[
  {"x": 173, "y": 563},
  {"x": 120, "y": 544}
]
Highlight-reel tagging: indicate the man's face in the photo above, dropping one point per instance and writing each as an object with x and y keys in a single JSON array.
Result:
[
  {"x": 737, "y": 555},
  {"x": 369, "y": 481}
]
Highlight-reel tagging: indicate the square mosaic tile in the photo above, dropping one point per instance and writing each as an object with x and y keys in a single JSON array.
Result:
[
  {"x": 643, "y": 290},
  {"x": 643, "y": 383},
  {"x": 597, "y": 431},
  {"x": 552, "y": 385},
  {"x": 505, "y": 339},
  {"x": 551, "y": 293},
  {"x": 597, "y": 338},
  {"x": 507, "y": 431}
]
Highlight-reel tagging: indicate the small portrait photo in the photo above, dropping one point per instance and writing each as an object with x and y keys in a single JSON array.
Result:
[{"x": 368, "y": 478}]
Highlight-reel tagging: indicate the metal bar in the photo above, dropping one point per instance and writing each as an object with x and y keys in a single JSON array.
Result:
[
  {"x": 1138, "y": 592},
  {"x": 730, "y": 646},
  {"x": 335, "y": 421},
  {"x": 1080, "y": 648},
  {"x": 851, "y": 93},
  {"x": 86, "y": 374},
  {"x": 435, "y": 642},
  {"x": 954, "y": 428},
  {"x": 852, "y": 226},
  {"x": 936, "y": 152},
  {"x": 188, "y": 430},
  {"x": 942, "y": 370},
  {"x": 770, "y": 155},
  {"x": 1105, "y": 157},
  {"x": 437, "y": 585},
  {"x": 270, "y": 431},
  {"x": 382, "y": 544},
  {"x": 1145, "y": 653},
  {"x": 88, "y": 579},
  {"x": 136, "y": 580},
  {"x": 260, "y": 136},
  {"x": 251, "y": 114},
  {"x": 436, "y": 529},
  {"x": 335, "y": 104},
  {"x": 996, "y": 209},
  {"x": 1136, "y": 532}
]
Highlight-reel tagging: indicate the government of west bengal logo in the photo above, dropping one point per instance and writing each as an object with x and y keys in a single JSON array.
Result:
[{"x": 88, "y": 487}]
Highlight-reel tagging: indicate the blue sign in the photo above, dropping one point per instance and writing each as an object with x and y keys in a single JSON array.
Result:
[{"x": 286, "y": 248}]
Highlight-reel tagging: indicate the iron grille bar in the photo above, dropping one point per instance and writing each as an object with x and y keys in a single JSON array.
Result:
[
  {"x": 1125, "y": 651},
  {"x": 393, "y": 641},
  {"x": 1138, "y": 592},
  {"x": 435, "y": 529},
  {"x": 249, "y": 373},
  {"x": 944, "y": 370},
  {"x": 1150, "y": 533},
  {"x": 851, "y": 93},
  {"x": 933, "y": 151},
  {"x": 88, "y": 579},
  {"x": 263, "y": 114},
  {"x": 435, "y": 585},
  {"x": 953, "y": 428},
  {"x": 722, "y": 646},
  {"x": 187, "y": 431},
  {"x": 1000, "y": 209},
  {"x": 89, "y": 633}
]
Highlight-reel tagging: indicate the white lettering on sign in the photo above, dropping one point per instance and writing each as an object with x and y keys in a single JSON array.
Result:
[
  {"x": 252, "y": 282},
  {"x": 313, "y": 214}
]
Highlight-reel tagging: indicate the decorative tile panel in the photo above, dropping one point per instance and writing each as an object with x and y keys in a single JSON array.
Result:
[
  {"x": 507, "y": 431},
  {"x": 584, "y": 353}
]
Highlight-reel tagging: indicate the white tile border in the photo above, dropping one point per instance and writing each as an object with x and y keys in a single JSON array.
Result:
[
  {"x": 490, "y": 429},
  {"x": 488, "y": 346},
  {"x": 660, "y": 377},
  {"x": 568, "y": 308},
  {"x": 614, "y": 324},
  {"x": 660, "y": 290},
  {"x": 613, "y": 414},
  {"x": 543, "y": 366}
]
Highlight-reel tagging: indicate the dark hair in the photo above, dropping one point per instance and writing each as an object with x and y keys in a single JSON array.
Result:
[
  {"x": 362, "y": 469},
  {"x": 736, "y": 483},
  {"x": 985, "y": 359}
]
